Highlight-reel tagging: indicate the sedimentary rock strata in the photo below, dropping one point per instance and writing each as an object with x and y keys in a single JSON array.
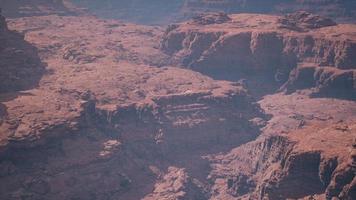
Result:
[
  {"x": 20, "y": 64},
  {"x": 222, "y": 106},
  {"x": 276, "y": 165},
  {"x": 253, "y": 44},
  {"x": 340, "y": 10},
  {"x": 102, "y": 106}
]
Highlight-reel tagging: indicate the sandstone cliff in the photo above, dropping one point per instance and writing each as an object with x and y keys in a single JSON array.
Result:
[
  {"x": 273, "y": 167},
  {"x": 102, "y": 123},
  {"x": 116, "y": 115},
  {"x": 340, "y": 10},
  {"x": 20, "y": 64},
  {"x": 269, "y": 45}
]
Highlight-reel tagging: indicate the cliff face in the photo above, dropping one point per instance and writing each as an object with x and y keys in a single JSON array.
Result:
[
  {"x": 298, "y": 51},
  {"x": 302, "y": 146},
  {"x": 255, "y": 44},
  {"x": 340, "y": 10},
  {"x": 272, "y": 167},
  {"x": 105, "y": 124},
  {"x": 20, "y": 65},
  {"x": 159, "y": 12},
  {"x": 119, "y": 115},
  {"x": 113, "y": 153}
]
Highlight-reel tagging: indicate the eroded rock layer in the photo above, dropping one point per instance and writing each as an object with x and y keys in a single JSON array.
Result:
[
  {"x": 268, "y": 45},
  {"x": 20, "y": 65},
  {"x": 104, "y": 122},
  {"x": 117, "y": 115}
]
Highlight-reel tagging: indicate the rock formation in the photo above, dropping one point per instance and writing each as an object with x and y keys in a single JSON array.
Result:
[
  {"x": 242, "y": 106},
  {"x": 102, "y": 116},
  {"x": 274, "y": 166},
  {"x": 261, "y": 44},
  {"x": 19, "y": 62},
  {"x": 161, "y": 12},
  {"x": 341, "y": 10},
  {"x": 304, "y": 21}
]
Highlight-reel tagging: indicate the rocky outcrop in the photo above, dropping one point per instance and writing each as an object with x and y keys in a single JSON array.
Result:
[
  {"x": 128, "y": 140},
  {"x": 341, "y": 10},
  {"x": 272, "y": 167},
  {"x": 304, "y": 21},
  {"x": 213, "y": 18},
  {"x": 111, "y": 119},
  {"x": 20, "y": 65},
  {"x": 252, "y": 45},
  {"x": 325, "y": 81},
  {"x": 106, "y": 128},
  {"x": 177, "y": 184},
  {"x": 158, "y": 12}
]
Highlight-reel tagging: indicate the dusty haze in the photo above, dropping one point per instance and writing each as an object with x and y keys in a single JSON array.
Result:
[{"x": 177, "y": 100}]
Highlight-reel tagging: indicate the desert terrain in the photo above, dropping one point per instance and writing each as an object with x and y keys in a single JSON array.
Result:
[{"x": 184, "y": 104}]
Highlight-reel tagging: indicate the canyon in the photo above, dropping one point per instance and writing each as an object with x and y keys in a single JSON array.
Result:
[
  {"x": 218, "y": 106},
  {"x": 159, "y": 12}
]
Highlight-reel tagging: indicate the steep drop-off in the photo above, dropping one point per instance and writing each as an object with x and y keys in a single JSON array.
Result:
[
  {"x": 339, "y": 10},
  {"x": 268, "y": 47},
  {"x": 20, "y": 65},
  {"x": 119, "y": 115},
  {"x": 102, "y": 123},
  {"x": 161, "y": 12}
]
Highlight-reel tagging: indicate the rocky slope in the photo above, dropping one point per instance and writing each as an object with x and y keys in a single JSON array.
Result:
[
  {"x": 161, "y": 12},
  {"x": 251, "y": 45},
  {"x": 119, "y": 115},
  {"x": 102, "y": 123},
  {"x": 275, "y": 166},
  {"x": 19, "y": 62},
  {"x": 306, "y": 147},
  {"x": 299, "y": 52},
  {"x": 340, "y": 10}
]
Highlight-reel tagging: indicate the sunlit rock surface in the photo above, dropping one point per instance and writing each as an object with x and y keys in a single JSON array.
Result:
[{"x": 241, "y": 106}]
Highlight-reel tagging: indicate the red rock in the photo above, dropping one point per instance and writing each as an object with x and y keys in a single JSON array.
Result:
[{"x": 117, "y": 117}]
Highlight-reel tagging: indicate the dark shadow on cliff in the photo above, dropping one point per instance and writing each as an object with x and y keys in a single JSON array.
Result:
[
  {"x": 20, "y": 65},
  {"x": 322, "y": 82},
  {"x": 257, "y": 84},
  {"x": 3, "y": 112}
]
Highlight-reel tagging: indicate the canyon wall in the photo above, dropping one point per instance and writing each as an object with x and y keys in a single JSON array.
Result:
[
  {"x": 118, "y": 110},
  {"x": 272, "y": 46},
  {"x": 339, "y": 10},
  {"x": 109, "y": 126},
  {"x": 273, "y": 167},
  {"x": 20, "y": 64},
  {"x": 158, "y": 11},
  {"x": 161, "y": 12}
]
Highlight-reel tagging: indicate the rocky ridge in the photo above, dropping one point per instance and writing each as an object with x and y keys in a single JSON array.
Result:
[
  {"x": 266, "y": 46},
  {"x": 108, "y": 136},
  {"x": 21, "y": 68},
  {"x": 117, "y": 116}
]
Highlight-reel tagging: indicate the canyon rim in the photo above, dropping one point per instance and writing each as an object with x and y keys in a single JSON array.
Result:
[{"x": 177, "y": 100}]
